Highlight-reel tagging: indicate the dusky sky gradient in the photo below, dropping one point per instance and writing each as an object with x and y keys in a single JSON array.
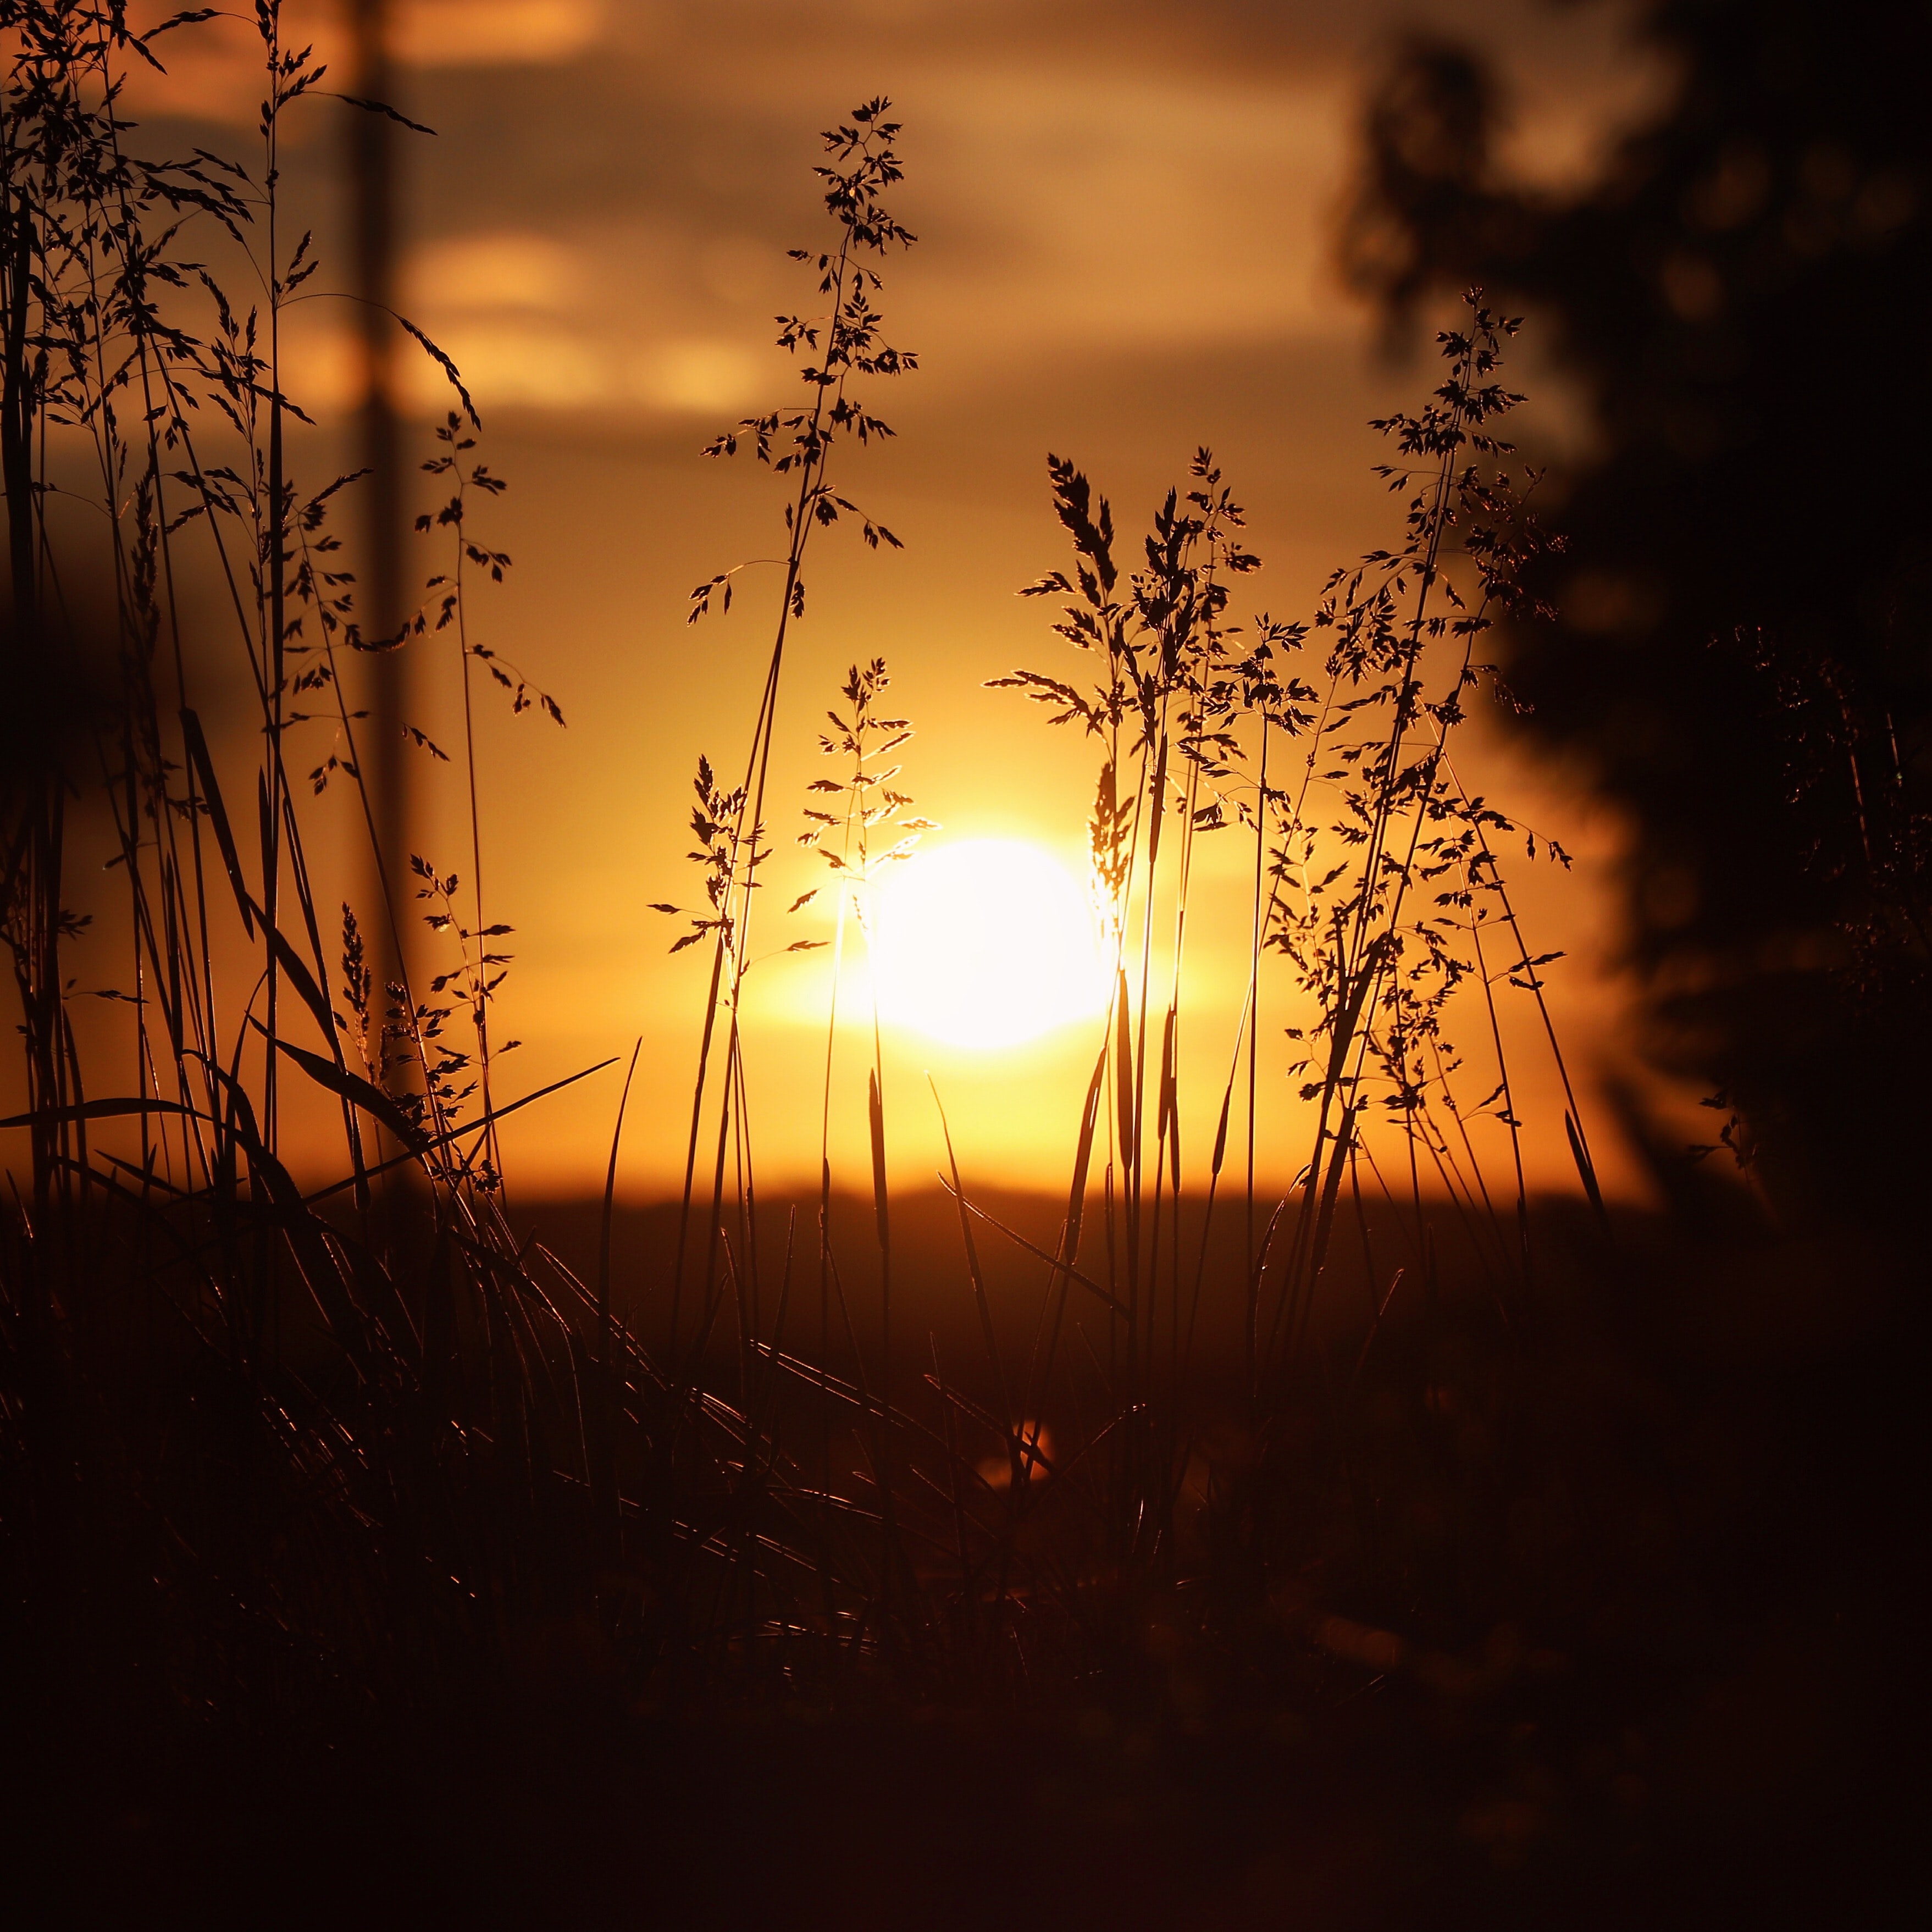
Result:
[{"x": 1127, "y": 216}]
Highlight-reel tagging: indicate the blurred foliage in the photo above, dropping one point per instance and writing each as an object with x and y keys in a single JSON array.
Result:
[{"x": 1739, "y": 655}]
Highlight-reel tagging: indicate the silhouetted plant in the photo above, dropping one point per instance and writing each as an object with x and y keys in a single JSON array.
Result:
[
  {"x": 844, "y": 343},
  {"x": 401, "y": 1460},
  {"x": 419, "y": 1439},
  {"x": 1381, "y": 912},
  {"x": 1731, "y": 293}
]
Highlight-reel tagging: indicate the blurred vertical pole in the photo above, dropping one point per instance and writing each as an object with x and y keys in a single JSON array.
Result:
[{"x": 372, "y": 184}]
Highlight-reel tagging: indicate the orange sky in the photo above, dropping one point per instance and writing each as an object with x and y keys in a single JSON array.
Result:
[{"x": 1126, "y": 215}]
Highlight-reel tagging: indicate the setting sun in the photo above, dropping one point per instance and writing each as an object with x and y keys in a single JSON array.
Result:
[{"x": 986, "y": 943}]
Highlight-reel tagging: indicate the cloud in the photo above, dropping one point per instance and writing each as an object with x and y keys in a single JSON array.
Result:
[
  {"x": 1157, "y": 210},
  {"x": 515, "y": 364},
  {"x": 493, "y": 33},
  {"x": 506, "y": 268},
  {"x": 699, "y": 374}
]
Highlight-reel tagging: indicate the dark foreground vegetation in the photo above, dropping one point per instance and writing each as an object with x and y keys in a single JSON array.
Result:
[
  {"x": 1609, "y": 1611},
  {"x": 1398, "y": 1550}
]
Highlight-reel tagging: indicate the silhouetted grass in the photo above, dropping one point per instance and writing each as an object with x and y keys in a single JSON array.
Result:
[
  {"x": 1012, "y": 1548},
  {"x": 379, "y": 1470}
]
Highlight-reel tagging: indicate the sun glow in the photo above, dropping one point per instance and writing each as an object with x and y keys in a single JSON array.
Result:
[{"x": 985, "y": 944}]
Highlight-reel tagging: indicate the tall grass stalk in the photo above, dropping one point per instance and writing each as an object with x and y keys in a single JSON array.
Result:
[
  {"x": 1379, "y": 914},
  {"x": 315, "y": 1450},
  {"x": 297, "y": 1463},
  {"x": 800, "y": 443}
]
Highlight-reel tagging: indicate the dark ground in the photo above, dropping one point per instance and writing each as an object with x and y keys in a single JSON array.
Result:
[{"x": 1694, "y": 1701}]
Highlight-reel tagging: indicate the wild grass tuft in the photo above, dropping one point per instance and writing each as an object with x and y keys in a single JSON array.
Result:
[{"x": 313, "y": 1456}]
